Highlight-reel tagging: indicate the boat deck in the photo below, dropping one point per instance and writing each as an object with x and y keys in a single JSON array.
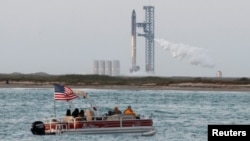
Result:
[{"x": 100, "y": 125}]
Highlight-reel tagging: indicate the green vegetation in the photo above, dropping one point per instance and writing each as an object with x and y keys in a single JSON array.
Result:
[{"x": 74, "y": 79}]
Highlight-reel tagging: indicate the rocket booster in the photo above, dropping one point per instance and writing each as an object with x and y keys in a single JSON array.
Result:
[
  {"x": 133, "y": 42},
  {"x": 133, "y": 31}
]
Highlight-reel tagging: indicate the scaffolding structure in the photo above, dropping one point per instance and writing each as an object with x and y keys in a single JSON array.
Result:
[{"x": 148, "y": 29}]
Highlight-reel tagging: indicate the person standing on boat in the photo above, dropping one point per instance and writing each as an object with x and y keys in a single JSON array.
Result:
[{"x": 129, "y": 111}]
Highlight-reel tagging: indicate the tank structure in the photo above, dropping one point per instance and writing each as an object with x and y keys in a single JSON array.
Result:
[
  {"x": 106, "y": 67},
  {"x": 219, "y": 74},
  {"x": 116, "y": 68},
  {"x": 148, "y": 33},
  {"x": 96, "y": 67},
  {"x": 101, "y": 67}
]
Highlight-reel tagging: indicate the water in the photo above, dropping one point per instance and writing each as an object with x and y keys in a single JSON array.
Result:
[{"x": 177, "y": 115}]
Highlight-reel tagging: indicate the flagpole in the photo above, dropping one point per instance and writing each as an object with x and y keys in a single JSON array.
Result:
[{"x": 55, "y": 108}]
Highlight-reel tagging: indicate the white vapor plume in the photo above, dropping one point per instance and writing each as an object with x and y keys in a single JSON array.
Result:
[{"x": 194, "y": 55}]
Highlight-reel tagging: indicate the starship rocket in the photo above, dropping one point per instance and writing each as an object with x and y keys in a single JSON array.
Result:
[{"x": 134, "y": 68}]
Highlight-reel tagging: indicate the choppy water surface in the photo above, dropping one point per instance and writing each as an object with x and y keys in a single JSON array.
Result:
[{"x": 177, "y": 115}]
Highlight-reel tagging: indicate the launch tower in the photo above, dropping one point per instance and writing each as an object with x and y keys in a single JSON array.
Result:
[
  {"x": 148, "y": 33},
  {"x": 148, "y": 29}
]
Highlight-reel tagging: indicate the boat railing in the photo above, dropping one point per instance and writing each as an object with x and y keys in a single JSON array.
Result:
[
  {"x": 117, "y": 117},
  {"x": 63, "y": 124},
  {"x": 60, "y": 128},
  {"x": 70, "y": 119},
  {"x": 112, "y": 117},
  {"x": 121, "y": 117}
]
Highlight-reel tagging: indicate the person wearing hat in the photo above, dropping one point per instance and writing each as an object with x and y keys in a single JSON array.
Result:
[
  {"x": 95, "y": 112},
  {"x": 116, "y": 111},
  {"x": 129, "y": 111}
]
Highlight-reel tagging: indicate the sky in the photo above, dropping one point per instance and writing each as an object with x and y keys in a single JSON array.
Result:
[{"x": 66, "y": 36}]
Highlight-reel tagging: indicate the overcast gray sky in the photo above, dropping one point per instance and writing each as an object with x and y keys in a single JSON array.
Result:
[{"x": 66, "y": 36}]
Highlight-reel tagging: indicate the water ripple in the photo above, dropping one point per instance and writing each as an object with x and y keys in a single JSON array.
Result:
[{"x": 177, "y": 115}]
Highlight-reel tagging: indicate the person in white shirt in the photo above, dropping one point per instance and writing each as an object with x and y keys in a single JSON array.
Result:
[{"x": 96, "y": 112}]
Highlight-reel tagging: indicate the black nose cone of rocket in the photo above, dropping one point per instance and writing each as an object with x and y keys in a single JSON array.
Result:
[
  {"x": 133, "y": 13},
  {"x": 133, "y": 19}
]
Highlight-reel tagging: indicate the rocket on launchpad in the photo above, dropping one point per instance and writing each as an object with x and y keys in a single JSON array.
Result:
[{"x": 134, "y": 68}]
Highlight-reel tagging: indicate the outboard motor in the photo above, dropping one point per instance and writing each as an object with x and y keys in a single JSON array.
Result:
[{"x": 38, "y": 128}]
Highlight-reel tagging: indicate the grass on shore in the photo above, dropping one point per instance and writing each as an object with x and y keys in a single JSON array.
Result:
[{"x": 74, "y": 79}]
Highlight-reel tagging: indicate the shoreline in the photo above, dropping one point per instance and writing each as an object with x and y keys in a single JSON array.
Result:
[{"x": 180, "y": 86}]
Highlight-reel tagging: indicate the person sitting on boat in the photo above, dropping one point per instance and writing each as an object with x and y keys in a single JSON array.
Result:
[
  {"x": 129, "y": 111},
  {"x": 68, "y": 117},
  {"x": 81, "y": 113},
  {"x": 75, "y": 112},
  {"x": 68, "y": 112},
  {"x": 81, "y": 116},
  {"x": 89, "y": 114},
  {"x": 95, "y": 111},
  {"x": 116, "y": 111}
]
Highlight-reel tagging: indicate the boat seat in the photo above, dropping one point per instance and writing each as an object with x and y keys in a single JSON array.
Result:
[
  {"x": 114, "y": 117},
  {"x": 80, "y": 118},
  {"x": 68, "y": 119},
  {"x": 124, "y": 117},
  {"x": 127, "y": 116}
]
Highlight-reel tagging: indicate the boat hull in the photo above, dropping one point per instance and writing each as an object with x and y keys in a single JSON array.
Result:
[
  {"x": 112, "y": 130},
  {"x": 138, "y": 126}
]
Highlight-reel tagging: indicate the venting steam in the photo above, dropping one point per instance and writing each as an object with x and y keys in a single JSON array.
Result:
[{"x": 193, "y": 55}]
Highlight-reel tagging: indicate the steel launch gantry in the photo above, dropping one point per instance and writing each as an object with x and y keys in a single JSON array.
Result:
[{"x": 148, "y": 29}]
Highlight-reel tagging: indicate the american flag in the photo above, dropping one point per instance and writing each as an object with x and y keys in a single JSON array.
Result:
[{"x": 63, "y": 93}]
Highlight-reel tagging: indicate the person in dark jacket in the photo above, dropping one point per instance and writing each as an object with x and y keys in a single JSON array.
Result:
[
  {"x": 116, "y": 111},
  {"x": 81, "y": 113},
  {"x": 68, "y": 112},
  {"x": 75, "y": 112}
]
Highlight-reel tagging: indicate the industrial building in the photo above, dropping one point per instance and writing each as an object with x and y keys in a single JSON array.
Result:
[
  {"x": 219, "y": 74},
  {"x": 106, "y": 67}
]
